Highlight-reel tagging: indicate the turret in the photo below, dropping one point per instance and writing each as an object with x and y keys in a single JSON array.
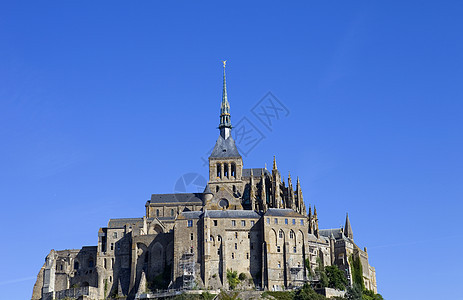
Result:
[
  {"x": 276, "y": 180},
  {"x": 348, "y": 229}
]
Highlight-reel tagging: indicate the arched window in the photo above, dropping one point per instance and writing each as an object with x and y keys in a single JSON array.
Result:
[
  {"x": 233, "y": 170},
  {"x": 225, "y": 170},
  {"x": 291, "y": 234},
  {"x": 219, "y": 171},
  {"x": 280, "y": 234}
]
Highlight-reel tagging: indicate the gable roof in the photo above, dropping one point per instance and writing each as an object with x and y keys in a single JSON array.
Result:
[
  {"x": 180, "y": 198},
  {"x": 283, "y": 212}
]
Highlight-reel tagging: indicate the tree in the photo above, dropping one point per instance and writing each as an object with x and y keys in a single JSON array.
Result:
[
  {"x": 307, "y": 293},
  {"x": 336, "y": 278},
  {"x": 232, "y": 277}
]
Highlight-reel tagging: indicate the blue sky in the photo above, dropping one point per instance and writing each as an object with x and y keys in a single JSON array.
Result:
[{"x": 103, "y": 103}]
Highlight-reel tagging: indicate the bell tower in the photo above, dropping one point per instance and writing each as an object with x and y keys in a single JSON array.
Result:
[{"x": 225, "y": 162}]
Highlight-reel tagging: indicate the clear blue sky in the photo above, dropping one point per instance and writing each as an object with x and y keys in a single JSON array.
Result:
[{"x": 104, "y": 102}]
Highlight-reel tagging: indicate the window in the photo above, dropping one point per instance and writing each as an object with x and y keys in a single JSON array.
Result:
[
  {"x": 233, "y": 170},
  {"x": 115, "y": 235},
  {"x": 217, "y": 189},
  {"x": 215, "y": 222},
  {"x": 191, "y": 250},
  {"x": 191, "y": 236},
  {"x": 233, "y": 255},
  {"x": 233, "y": 223},
  {"x": 291, "y": 234},
  {"x": 298, "y": 264},
  {"x": 112, "y": 246},
  {"x": 157, "y": 212},
  {"x": 249, "y": 235},
  {"x": 236, "y": 246},
  {"x": 279, "y": 264},
  {"x": 280, "y": 234},
  {"x": 302, "y": 222},
  {"x": 294, "y": 221},
  {"x": 219, "y": 172},
  {"x": 268, "y": 220},
  {"x": 211, "y": 238},
  {"x": 286, "y": 221},
  {"x": 243, "y": 223},
  {"x": 247, "y": 255},
  {"x": 276, "y": 221},
  {"x": 112, "y": 263},
  {"x": 218, "y": 251},
  {"x": 61, "y": 267},
  {"x": 236, "y": 235},
  {"x": 234, "y": 188},
  {"x": 225, "y": 170},
  {"x": 252, "y": 223},
  {"x": 278, "y": 249},
  {"x": 105, "y": 264},
  {"x": 171, "y": 212},
  {"x": 294, "y": 249}
]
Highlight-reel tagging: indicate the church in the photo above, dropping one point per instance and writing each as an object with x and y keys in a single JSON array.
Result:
[{"x": 247, "y": 220}]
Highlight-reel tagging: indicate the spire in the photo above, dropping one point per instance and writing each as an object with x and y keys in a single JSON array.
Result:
[
  {"x": 225, "y": 124},
  {"x": 274, "y": 163},
  {"x": 348, "y": 229}
]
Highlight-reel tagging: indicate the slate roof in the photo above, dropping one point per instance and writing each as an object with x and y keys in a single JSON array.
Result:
[
  {"x": 119, "y": 223},
  {"x": 217, "y": 214},
  {"x": 255, "y": 171},
  {"x": 225, "y": 148},
  {"x": 191, "y": 214},
  {"x": 336, "y": 232},
  {"x": 193, "y": 198},
  {"x": 282, "y": 212}
]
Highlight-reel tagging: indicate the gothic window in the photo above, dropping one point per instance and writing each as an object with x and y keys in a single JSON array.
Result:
[
  {"x": 219, "y": 171},
  {"x": 223, "y": 203},
  {"x": 211, "y": 238},
  {"x": 146, "y": 258},
  {"x": 233, "y": 170},
  {"x": 225, "y": 170}
]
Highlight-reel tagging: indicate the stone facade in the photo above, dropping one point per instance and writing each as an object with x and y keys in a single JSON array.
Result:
[{"x": 246, "y": 220}]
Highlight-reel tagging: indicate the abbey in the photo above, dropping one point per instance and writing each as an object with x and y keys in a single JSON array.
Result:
[{"x": 247, "y": 220}]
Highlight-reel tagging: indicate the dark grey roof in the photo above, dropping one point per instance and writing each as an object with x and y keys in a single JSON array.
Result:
[
  {"x": 119, "y": 223},
  {"x": 225, "y": 148},
  {"x": 191, "y": 214},
  {"x": 336, "y": 232},
  {"x": 193, "y": 198},
  {"x": 256, "y": 172},
  {"x": 282, "y": 212},
  {"x": 207, "y": 190},
  {"x": 231, "y": 214}
]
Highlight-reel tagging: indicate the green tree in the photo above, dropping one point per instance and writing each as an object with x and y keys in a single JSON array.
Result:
[
  {"x": 320, "y": 272},
  {"x": 354, "y": 292},
  {"x": 232, "y": 277},
  {"x": 307, "y": 293},
  {"x": 336, "y": 278}
]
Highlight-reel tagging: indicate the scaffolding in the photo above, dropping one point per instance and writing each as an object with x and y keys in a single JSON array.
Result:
[{"x": 187, "y": 267}]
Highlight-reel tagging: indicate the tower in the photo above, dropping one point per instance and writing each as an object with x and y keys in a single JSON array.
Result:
[
  {"x": 348, "y": 229},
  {"x": 225, "y": 162}
]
